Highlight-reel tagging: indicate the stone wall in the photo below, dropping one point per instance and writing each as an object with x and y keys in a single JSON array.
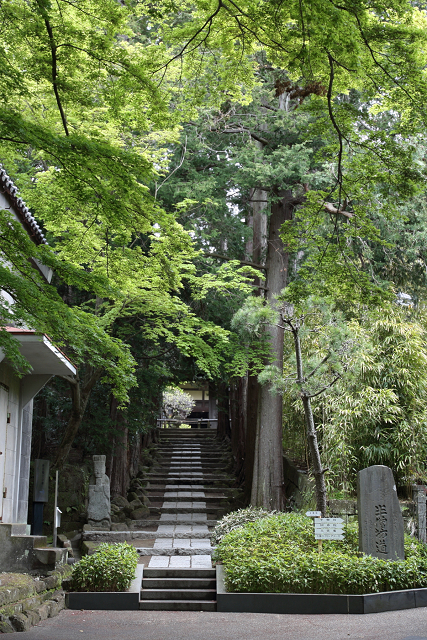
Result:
[{"x": 25, "y": 600}]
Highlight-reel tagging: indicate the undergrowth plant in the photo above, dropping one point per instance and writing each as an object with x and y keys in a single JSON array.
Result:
[
  {"x": 110, "y": 568},
  {"x": 279, "y": 555},
  {"x": 237, "y": 519}
]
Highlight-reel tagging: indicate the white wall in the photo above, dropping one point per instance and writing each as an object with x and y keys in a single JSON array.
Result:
[{"x": 16, "y": 457}]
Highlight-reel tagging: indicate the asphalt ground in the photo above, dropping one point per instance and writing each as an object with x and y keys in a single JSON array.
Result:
[{"x": 188, "y": 625}]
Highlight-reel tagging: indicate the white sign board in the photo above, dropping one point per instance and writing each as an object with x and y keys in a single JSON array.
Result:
[
  {"x": 328, "y": 536},
  {"x": 330, "y": 521},
  {"x": 328, "y": 529},
  {"x": 313, "y": 514}
]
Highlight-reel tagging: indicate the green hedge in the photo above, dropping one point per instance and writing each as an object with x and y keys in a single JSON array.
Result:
[
  {"x": 278, "y": 554},
  {"x": 110, "y": 568}
]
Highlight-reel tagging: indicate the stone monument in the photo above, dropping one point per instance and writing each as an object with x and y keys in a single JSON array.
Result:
[
  {"x": 99, "y": 508},
  {"x": 380, "y": 517}
]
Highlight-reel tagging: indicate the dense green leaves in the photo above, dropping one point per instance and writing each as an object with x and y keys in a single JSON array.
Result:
[
  {"x": 377, "y": 415},
  {"x": 278, "y": 554},
  {"x": 110, "y": 568}
]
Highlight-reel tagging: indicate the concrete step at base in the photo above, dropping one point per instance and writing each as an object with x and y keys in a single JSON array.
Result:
[
  {"x": 179, "y": 583},
  {"x": 177, "y": 605},
  {"x": 178, "y": 594}
]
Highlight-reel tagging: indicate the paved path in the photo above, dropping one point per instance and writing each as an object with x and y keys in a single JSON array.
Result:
[{"x": 188, "y": 625}]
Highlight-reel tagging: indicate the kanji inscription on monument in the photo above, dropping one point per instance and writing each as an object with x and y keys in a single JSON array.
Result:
[{"x": 380, "y": 517}]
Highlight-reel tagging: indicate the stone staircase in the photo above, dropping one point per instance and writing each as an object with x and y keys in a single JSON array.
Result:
[
  {"x": 20, "y": 552},
  {"x": 189, "y": 491},
  {"x": 179, "y": 590}
]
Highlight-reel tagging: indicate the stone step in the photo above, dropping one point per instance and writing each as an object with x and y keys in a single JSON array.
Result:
[
  {"x": 191, "y": 446},
  {"x": 178, "y": 445},
  {"x": 169, "y": 486},
  {"x": 167, "y": 452},
  {"x": 191, "y": 468},
  {"x": 214, "y": 511},
  {"x": 187, "y": 432},
  {"x": 214, "y": 482},
  {"x": 171, "y": 496},
  {"x": 174, "y": 551},
  {"x": 192, "y": 438},
  {"x": 174, "y": 519},
  {"x": 179, "y": 583},
  {"x": 169, "y": 477},
  {"x": 122, "y": 536},
  {"x": 177, "y": 605},
  {"x": 180, "y": 573},
  {"x": 180, "y": 542},
  {"x": 191, "y": 461},
  {"x": 170, "y": 450},
  {"x": 178, "y": 594}
]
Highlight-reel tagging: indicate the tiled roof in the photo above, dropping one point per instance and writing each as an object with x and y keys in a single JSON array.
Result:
[{"x": 21, "y": 210}]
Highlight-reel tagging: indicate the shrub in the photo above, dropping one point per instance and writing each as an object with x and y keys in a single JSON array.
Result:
[
  {"x": 177, "y": 403},
  {"x": 279, "y": 555},
  {"x": 110, "y": 568},
  {"x": 237, "y": 519}
]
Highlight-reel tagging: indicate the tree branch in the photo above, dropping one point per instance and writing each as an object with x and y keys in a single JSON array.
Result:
[
  {"x": 245, "y": 262},
  {"x": 318, "y": 366},
  {"x": 329, "y": 208},
  {"x": 324, "y": 388},
  {"x": 253, "y": 135},
  {"x": 53, "y": 49}
]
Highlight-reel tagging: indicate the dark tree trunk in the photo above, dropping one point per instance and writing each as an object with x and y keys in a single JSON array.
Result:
[
  {"x": 267, "y": 482},
  {"x": 134, "y": 453},
  {"x": 119, "y": 478},
  {"x": 318, "y": 471},
  {"x": 80, "y": 394},
  {"x": 256, "y": 250},
  {"x": 223, "y": 431},
  {"x": 238, "y": 430},
  {"x": 252, "y": 394}
]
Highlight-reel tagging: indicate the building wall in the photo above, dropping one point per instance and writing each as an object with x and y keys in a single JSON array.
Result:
[
  {"x": 16, "y": 435},
  {"x": 24, "y": 468}
]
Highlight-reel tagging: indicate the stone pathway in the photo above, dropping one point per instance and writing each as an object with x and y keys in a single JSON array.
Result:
[
  {"x": 188, "y": 493},
  {"x": 183, "y": 524}
]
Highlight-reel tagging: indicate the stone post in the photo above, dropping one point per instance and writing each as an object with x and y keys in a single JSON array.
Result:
[{"x": 419, "y": 497}]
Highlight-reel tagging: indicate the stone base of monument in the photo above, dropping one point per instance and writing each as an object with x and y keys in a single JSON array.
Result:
[
  {"x": 312, "y": 603},
  {"x": 108, "y": 600}
]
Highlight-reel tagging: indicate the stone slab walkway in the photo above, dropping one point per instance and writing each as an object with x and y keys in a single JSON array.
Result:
[{"x": 188, "y": 513}]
